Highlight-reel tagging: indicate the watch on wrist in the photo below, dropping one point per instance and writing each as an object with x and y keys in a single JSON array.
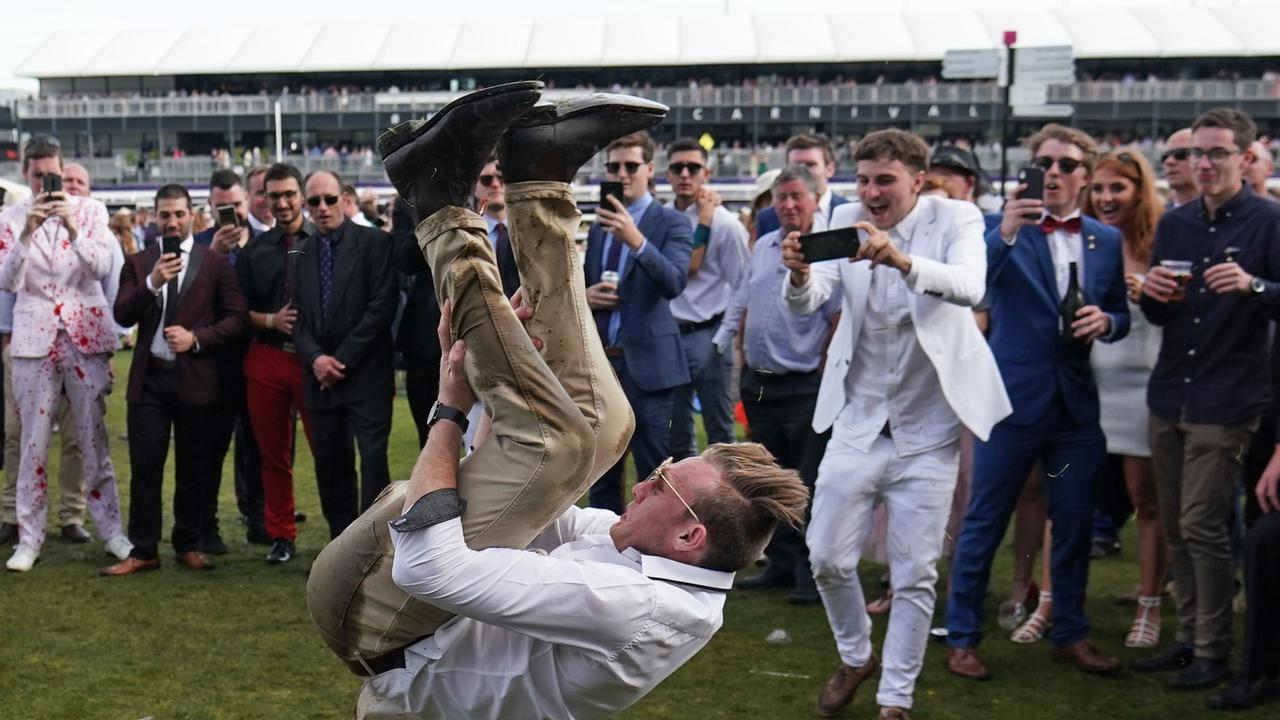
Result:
[
  {"x": 440, "y": 411},
  {"x": 1257, "y": 286}
]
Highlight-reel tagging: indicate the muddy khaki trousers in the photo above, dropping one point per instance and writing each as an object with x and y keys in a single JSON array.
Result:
[{"x": 559, "y": 417}]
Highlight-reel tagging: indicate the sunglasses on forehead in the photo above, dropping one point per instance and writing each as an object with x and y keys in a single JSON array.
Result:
[
  {"x": 488, "y": 180},
  {"x": 679, "y": 168},
  {"x": 315, "y": 200},
  {"x": 1066, "y": 165},
  {"x": 1179, "y": 154},
  {"x": 632, "y": 167}
]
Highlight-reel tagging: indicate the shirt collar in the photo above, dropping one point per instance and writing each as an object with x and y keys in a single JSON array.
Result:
[
  {"x": 668, "y": 570},
  {"x": 907, "y": 224},
  {"x": 492, "y": 222},
  {"x": 824, "y": 202},
  {"x": 1236, "y": 202},
  {"x": 640, "y": 206},
  {"x": 185, "y": 246}
]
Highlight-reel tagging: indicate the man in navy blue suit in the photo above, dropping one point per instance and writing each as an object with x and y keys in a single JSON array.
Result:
[
  {"x": 814, "y": 152},
  {"x": 648, "y": 245},
  {"x": 1055, "y": 401}
]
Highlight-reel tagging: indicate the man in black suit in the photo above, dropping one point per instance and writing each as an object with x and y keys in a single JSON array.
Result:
[
  {"x": 186, "y": 305},
  {"x": 491, "y": 203},
  {"x": 346, "y": 300},
  {"x": 226, "y": 190},
  {"x": 417, "y": 341}
]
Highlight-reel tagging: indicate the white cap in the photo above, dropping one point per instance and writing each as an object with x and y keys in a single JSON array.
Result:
[{"x": 764, "y": 183}]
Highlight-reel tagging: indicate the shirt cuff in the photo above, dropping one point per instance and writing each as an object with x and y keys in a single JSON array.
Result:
[
  {"x": 154, "y": 290},
  {"x": 431, "y": 509},
  {"x": 913, "y": 274},
  {"x": 644, "y": 245},
  {"x": 1009, "y": 241}
]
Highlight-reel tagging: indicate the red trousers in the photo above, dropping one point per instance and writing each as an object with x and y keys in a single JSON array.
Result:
[{"x": 273, "y": 379}]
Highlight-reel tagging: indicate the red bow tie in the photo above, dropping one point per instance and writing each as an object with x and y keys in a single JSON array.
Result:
[{"x": 1051, "y": 223}]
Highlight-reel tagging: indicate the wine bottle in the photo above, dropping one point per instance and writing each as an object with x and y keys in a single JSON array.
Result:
[{"x": 1071, "y": 304}]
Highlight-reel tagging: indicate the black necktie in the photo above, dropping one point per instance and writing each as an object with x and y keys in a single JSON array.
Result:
[
  {"x": 171, "y": 302},
  {"x": 611, "y": 262}
]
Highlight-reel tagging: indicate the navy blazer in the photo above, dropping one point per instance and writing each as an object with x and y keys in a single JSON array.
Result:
[
  {"x": 767, "y": 221},
  {"x": 1034, "y": 359},
  {"x": 649, "y": 337}
]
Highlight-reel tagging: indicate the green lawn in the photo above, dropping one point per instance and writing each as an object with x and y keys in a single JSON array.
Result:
[{"x": 237, "y": 642}]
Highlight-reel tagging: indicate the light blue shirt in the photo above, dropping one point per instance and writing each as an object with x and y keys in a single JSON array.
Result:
[
  {"x": 636, "y": 210},
  {"x": 493, "y": 230}
]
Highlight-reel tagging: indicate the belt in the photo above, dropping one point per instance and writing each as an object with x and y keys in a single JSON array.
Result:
[
  {"x": 688, "y": 327},
  {"x": 276, "y": 342},
  {"x": 613, "y": 351},
  {"x": 368, "y": 667},
  {"x": 162, "y": 363},
  {"x": 768, "y": 376}
]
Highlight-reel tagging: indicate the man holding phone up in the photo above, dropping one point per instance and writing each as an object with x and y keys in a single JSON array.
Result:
[{"x": 906, "y": 369}]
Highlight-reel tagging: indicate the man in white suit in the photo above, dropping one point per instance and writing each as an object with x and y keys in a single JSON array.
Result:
[{"x": 921, "y": 370}]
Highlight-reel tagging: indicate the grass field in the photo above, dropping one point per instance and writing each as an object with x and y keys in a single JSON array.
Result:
[{"x": 237, "y": 642}]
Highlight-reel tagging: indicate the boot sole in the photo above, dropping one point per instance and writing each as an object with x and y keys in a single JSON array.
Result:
[{"x": 406, "y": 132}]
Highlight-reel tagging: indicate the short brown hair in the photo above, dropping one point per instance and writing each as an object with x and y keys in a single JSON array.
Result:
[
  {"x": 1243, "y": 130},
  {"x": 40, "y": 147},
  {"x": 636, "y": 139},
  {"x": 755, "y": 494},
  {"x": 805, "y": 141},
  {"x": 1068, "y": 135},
  {"x": 893, "y": 144}
]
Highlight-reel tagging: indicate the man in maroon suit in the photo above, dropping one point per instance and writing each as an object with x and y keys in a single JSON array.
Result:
[{"x": 186, "y": 304}]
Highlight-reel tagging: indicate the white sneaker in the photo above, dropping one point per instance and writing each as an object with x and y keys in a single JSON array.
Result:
[
  {"x": 23, "y": 558},
  {"x": 118, "y": 546}
]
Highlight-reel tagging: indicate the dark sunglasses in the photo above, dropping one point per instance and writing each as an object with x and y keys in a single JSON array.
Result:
[
  {"x": 1179, "y": 154},
  {"x": 488, "y": 180},
  {"x": 1066, "y": 165},
  {"x": 315, "y": 200},
  {"x": 632, "y": 167},
  {"x": 287, "y": 195},
  {"x": 678, "y": 168}
]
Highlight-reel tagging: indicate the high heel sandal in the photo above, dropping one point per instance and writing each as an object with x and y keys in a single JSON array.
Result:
[
  {"x": 1145, "y": 632},
  {"x": 1034, "y": 628}
]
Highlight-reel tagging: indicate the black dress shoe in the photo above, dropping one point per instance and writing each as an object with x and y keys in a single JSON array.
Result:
[
  {"x": 1201, "y": 674},
  {"x": 1244, "y": 693},
  {"x": 434, "y": 163},
  {"x": 281, "y": 552},
  {"x": 213, "y": 545},
  {"x": 256, "y": 534},
  {"x": 804, "y": 595},
  {"x": 8, "y": 533},
  {"x": 299, "y": 516},
  {"x": 1174, "y": 656},
  {"x": 552, "y": 141},
  {"x": 74, "y": 533},
  {"x": 771, "y": 578}
]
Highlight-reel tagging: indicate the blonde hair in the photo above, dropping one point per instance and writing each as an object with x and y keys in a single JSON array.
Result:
[
  {"x": 121, "y": 225},
  {"x": 754, "y": 496},
  {"x": 1138, "y": 226}
]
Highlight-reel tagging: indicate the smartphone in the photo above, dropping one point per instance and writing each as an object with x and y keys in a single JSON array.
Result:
[
  {"x": 227, "y": 216},
  {"x": 830, "y": 245},
  {"x": 610, "y": 187},
  {"x": 1033, "y": 178},
  {"x": 52, "y": 183},
  {"x": 171, "y": 245}
]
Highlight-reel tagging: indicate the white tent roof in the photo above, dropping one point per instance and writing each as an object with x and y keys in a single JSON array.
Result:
[{"x": 407, "y": 35}]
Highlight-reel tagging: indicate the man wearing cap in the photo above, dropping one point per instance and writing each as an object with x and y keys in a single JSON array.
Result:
[{"x": 958, "y": 171}]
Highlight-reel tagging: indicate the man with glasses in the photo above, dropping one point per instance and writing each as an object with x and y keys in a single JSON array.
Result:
[
  {"x": 648, "y": 246},
  {"x": 491, "y": 203},
  {"x": 273, "y": 373},
  {"x": 1209, "y": 386},
  {"x": 816, "y": 153},
  {"x": 1044, "y": 361},
  {"x": 346, "y": 295},
  {"x": 716, "y": 266},
  {"x": 1176, "y": 161}
]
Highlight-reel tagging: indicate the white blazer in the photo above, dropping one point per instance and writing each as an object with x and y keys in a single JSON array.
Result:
[{"x": 948, "y": 278}]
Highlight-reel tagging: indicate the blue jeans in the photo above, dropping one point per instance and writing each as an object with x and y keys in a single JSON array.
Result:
[
  {"x": 1072, "y": 454},
  {"x": 711, "y": 372}
]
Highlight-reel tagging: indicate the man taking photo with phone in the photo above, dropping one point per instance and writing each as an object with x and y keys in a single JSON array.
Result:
[{"x": 907, "y": 369}]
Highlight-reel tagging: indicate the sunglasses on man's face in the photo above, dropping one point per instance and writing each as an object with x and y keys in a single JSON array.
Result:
[
  {"x": 1066, "y": 165},
  {"x": 315, "y": 200},
  {"x": 1179, "y": 154},
  {"x": 632, "y": 167},
  {"x": 679, "y": 168},
  {"x": 488, "y": 180}
]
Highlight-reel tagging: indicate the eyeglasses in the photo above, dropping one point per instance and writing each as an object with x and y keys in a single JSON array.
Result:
[
  {"x": 1179, "y": 154},
  {"x": 679, "y": 168},
  {"x": 315, "y": 200},
  {"x": 1216, "y": 155},
  {"x": 657, "y": 473},
  {"x": 1066, "y": 165},
  {"x": 488, "y": 180},
  {"x": 286, "y": 195},
  {"x": 632, "y": 167}
]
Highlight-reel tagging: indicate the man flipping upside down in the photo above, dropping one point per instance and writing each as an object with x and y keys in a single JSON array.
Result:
[{"x": 608, "y": 606}]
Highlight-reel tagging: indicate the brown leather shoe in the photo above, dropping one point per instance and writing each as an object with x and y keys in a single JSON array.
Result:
[
  {"x": 838, "y": 692},
  {"x": 966, "y": 663},
  {"x": 1086, "y": 658},
  {"x": 195, "y": 560},
  {"x": 894, "y": 713},
  {"x": 129, "y": 566}
]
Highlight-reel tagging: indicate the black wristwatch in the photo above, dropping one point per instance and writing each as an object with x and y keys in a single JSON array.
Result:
[{"x": 440, "y": 411}]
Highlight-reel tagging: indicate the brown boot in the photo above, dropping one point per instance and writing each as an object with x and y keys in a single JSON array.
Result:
[
  {"x": 894, "y": 713},
  {"x": 1086, "y": 658},
  {"x": 966, "y": 663},
  {"x": 838, "y": 692}
]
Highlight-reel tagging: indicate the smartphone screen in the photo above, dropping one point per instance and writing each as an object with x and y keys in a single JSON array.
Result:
[
  {"x": 830, "y": 245},
  {"x": 52, "y": 183},
  {"x": 171, "y": 245},
  {"x": 610, "y": 187},
  {"x": 227, "y": 216}
]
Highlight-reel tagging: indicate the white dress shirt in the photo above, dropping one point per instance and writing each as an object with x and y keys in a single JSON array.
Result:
[
  {"x": 1066, "y": 248},
  {"x": 582, "y": 632},
  {"x": 890, "y": 378},
  {"x": 160, "y": 348}
]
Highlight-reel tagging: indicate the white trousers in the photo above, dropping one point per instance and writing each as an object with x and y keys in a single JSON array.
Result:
[{"x": 916, "y": 491}]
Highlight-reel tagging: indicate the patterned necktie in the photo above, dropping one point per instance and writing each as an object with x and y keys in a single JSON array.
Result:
[
  {"x": 326, "y": 270},
  {"x": 1051, "y": 223},
  {"x": 611, "y": 261}
]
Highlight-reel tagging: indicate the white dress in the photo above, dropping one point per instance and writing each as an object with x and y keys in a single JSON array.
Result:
[{"x": 1122, "y": 370}]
